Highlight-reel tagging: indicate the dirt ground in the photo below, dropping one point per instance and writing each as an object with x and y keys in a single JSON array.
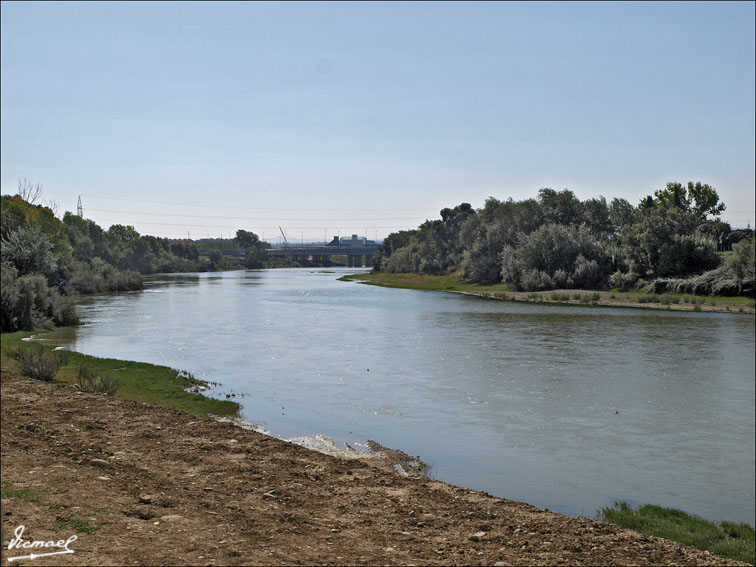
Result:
[{"x": 156, "y": 486}]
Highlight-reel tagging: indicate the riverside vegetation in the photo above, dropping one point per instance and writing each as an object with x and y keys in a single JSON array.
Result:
[
  {"x": 639, "y": 299},
  {"x": 672, "y": 242},
  {"x": 46, "y": 261},
  {"x": 736, "y": 541},
  {"x": 667, "y": 244}
]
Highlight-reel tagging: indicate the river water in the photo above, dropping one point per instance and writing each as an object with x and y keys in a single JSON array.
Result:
[{"x": 567, "y": 408}]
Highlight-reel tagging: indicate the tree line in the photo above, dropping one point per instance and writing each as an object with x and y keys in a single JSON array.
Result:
[
  {"x": 671, "y": 241},
  {"x": 46, "y": 260}
]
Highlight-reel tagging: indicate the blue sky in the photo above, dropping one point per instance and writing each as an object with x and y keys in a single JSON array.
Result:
[{"x": 202, "y": 118}]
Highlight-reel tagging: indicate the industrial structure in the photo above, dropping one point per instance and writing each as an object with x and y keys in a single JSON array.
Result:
[{"x": 356, "y": 249}]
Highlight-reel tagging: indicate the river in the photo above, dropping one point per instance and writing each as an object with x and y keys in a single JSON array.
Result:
[{"x": 564, "y": 407}]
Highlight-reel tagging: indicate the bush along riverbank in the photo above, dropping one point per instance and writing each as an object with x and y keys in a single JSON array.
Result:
[
  {"x": 613, "y": 298},
  {"x": 28, "y": 354}
]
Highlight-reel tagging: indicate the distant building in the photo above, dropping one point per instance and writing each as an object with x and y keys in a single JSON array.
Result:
[{"x": 354, "y": 241}]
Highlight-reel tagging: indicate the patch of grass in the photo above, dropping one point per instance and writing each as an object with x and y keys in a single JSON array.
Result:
[
  {"x": 74, "y": 522},
  {"x": 24, "y": 493},
  {"x": 420, "y": 281},
  {"x": 135, "y": 380},
  {"x": 728, "y": 539}
]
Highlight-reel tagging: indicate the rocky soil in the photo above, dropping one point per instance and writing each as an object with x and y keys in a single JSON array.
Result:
[{"x": 147, "y": 485}]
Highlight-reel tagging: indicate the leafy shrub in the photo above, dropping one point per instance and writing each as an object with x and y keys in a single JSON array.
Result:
[
  {"x": 91, "y": 382},
  {"x": 562, "y": 279},
  {"x": 535, "y": 280},
  {"x": 721, "y": 281},
  {"x": 587, "y": 274},
  {"x": 29, "y": 250},
  {"x": 37, "y": 362},
  {"x": 27, "y": 302},
  {"x": 742, "y": 260},
  {"x": 546, "y": 257},
  {"x": 623, "y": 281}
]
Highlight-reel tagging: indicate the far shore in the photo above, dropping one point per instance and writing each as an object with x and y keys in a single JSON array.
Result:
[{"x": 580, "y": 297}]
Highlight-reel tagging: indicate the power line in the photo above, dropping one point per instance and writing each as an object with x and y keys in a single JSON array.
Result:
[
  {"x": 207, "y": 205},
  {"x": 360, "y": 227},
  {"x": 329, "y": 219}
]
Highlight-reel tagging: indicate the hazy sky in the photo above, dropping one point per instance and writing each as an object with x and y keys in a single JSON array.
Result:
[{"x": 369, "y": 117}]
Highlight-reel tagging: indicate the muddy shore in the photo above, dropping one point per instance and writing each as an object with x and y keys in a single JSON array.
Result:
[{"x": 142, "y": 484}]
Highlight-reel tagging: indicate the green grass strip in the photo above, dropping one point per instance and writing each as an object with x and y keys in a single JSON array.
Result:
[
  {"x": 735, "y": 541},
  {"x": 421, "y": 281},
  {"x": 140, "y": 381}
]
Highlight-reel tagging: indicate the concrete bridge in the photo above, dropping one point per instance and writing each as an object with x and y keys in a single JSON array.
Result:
[{"x": 318, "y": 253}]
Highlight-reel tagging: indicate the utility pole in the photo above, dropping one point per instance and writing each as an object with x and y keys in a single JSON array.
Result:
[{"x": 79, "y": 209}]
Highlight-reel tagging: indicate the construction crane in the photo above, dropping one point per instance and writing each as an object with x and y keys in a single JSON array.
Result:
[{"x": 286, "y": 242}]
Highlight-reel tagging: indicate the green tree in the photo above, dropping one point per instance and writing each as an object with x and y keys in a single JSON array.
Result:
[
  {"x": 216, "y": 260},
  {"x": 391, "y": 244},
  {"x": 699, "y": 199},
  {"x": 596, "y": 217},
  {"x": 246, "y": 239},
  {"x": 621, "y": 214},
  {"x": 121, "y": 233},
  {"x": 497, "y": 224},
  {"x": 741, "y": 261},
  {"x": 556, "y": 255},
  {"x": 29, "y": 250},
  {"x": 560, "y": 207},
  {"x": 664, "y": 243}
]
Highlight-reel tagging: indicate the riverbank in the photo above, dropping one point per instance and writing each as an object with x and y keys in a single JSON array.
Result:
[
  {"x": 138, "y": 381},
  {"x": 636, "y": 300},
  {"x": 144, "y": 484}
]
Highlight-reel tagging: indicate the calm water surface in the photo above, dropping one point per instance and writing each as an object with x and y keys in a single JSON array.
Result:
[{"x": 567, "y": 408}]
